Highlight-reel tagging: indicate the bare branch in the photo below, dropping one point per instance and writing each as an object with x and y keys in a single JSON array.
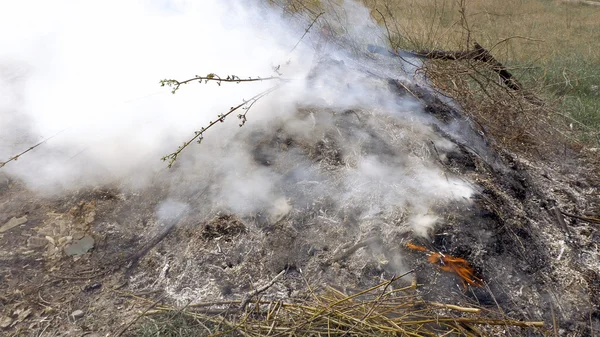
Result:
[
  {"x": 175, "y": 84},
  {"x": 260, "y": 290},
  {"x": 306, "y": 31},
  {"x": 199, "y": 135},
  {"x": 17, "y": 156}
]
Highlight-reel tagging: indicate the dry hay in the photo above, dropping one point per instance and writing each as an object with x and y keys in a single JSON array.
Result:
[{"x": 381, "y": 310}]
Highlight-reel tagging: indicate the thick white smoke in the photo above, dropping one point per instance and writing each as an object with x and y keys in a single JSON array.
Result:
[
  {"x": 92, "y": 70},
  {"x": 87, "y": 73}
]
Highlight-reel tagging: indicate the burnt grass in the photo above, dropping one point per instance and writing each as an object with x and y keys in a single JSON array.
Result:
[{"x": 531, "y": 263}]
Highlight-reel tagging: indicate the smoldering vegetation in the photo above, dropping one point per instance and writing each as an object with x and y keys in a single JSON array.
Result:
[
  {"x": 103, "y": 145},
  {"x": 347, "y": 161}
]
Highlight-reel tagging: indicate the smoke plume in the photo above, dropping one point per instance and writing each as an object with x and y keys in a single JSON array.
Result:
[{"x": 85, "y": 76}]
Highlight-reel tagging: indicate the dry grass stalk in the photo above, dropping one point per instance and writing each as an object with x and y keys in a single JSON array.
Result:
[{"x": 377, "y": 311}]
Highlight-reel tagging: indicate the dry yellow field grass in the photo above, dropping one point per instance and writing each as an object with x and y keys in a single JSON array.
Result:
[{"x": 538, "y": 30}]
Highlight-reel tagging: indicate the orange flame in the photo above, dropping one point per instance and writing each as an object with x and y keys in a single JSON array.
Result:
[
  {"x": 451, "y": 264},
  {"x": 415, "y": 247}
]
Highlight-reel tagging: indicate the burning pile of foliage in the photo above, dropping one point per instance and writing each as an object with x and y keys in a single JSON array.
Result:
[{"x": 376, "y": 149}]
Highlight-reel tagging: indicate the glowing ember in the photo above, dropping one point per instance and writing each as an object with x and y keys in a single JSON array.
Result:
[{"x": 451, "y": 264}]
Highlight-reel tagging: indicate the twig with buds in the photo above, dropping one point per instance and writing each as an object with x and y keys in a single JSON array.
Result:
[
  {"x": 175, "y": 84},
  {"x": 199, "y": 135}
]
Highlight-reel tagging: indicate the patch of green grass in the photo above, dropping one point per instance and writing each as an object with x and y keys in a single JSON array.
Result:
[
  {"x": 581, "y": 80},
  {"x": 574, "y": 80}
]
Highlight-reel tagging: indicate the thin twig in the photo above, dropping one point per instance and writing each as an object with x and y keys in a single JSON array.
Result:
[
  {"x": 15, "y": 157},
  {"x": 515, "y": 37},
  {"x": 482, "y": 321},
  {"x": 198, "y": 136},
  {"x": 554, "y": 323},
  {"x": 582, "y": 218},
  {"x": 389, "y": 36},
  {"x": 372, "y": 307},
  {"x": 135, "y": 258},
  {"x": 257, "y": 291},
  {"x": 122, "y": 331},
  {"x": 346, "y": 254},
  {"x": 560, "y": 219},
  {"x": 175, "y": 84},
  {"x": 306, "y": 32},
  {"x": 455, "y": 307},
  {"x": 318, "y": 314}
]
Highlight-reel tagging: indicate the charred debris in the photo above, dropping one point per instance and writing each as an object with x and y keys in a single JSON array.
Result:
[
  {"x": 519, "y": 256},
  {"x": 513, "y": 257}
]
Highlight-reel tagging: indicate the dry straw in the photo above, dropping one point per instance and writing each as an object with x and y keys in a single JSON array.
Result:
[{"x": 381, "y": 310}]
